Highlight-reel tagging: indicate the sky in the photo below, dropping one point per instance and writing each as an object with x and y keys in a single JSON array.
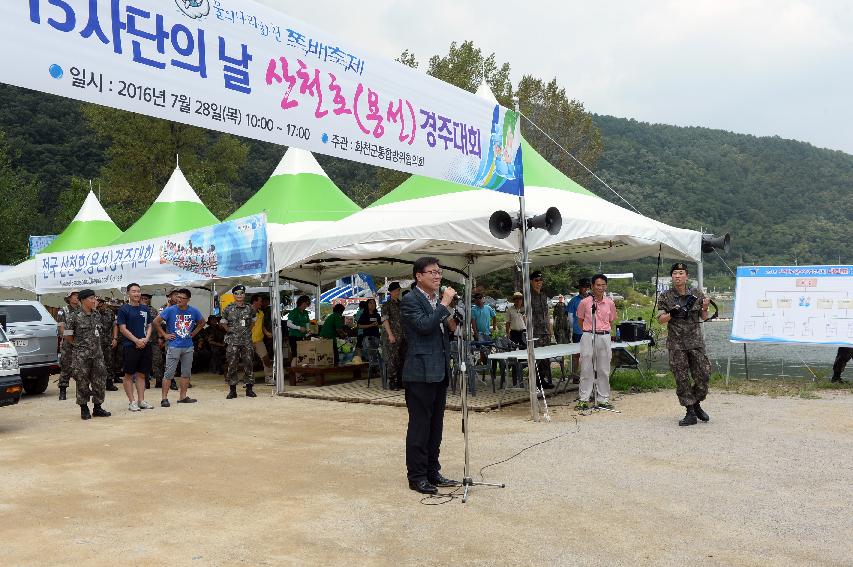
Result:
[{"x": 763, "y": 67}]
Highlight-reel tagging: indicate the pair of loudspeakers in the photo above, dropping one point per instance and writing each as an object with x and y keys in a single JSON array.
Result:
[{"x": 501, "y": 224}]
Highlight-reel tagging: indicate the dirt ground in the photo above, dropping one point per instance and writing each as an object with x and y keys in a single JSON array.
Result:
[{"x": 283, "y": 481}]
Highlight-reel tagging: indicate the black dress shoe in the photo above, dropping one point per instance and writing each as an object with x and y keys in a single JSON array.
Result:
[
  {"x": 700, "y": 413},
  {"x": 438, "y": 480},
  {"x": 423, "y": 486}
]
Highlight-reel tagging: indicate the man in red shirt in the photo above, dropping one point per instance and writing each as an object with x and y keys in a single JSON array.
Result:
[{"x": 595, "y": 315}]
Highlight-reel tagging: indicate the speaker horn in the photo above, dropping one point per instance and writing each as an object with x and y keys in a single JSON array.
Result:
[
  {"x": 551, "y": 220},
  {"x": 501, "y": 224},
  {"x": 711, "y": 242}
]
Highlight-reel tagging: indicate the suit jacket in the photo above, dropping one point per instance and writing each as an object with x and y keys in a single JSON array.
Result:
[{"x": 428, "y": 347}]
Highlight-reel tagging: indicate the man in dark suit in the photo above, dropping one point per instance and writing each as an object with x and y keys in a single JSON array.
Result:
[{"x": 426, "y": 371}]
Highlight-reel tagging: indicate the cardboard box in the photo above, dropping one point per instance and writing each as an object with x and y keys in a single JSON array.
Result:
[{"x": 316, "y": 352}]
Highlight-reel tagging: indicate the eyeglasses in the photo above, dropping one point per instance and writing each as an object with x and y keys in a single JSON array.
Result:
[{"x": 433, "y": 272}]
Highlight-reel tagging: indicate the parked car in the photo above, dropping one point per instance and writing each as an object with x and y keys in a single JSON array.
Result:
[
  {"x": 501, "y": 305},
  {"x": 33, "y": 332},
  {"x": 11, "y": 386},
  {"x": 615, "y": 296}
]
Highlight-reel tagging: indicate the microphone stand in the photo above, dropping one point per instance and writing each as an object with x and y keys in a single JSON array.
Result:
[
  {"x": 467, "y": 481},
  {"x": 594, "y": 337}
]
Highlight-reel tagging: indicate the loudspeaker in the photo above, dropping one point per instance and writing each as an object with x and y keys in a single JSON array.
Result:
[
  {"x": 501, "y": 224},
  {"x": 551, "y": 220},
  {"x": 710, "y": 242}
]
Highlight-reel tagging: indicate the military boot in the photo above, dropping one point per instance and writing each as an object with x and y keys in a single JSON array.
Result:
[
  {"x": 689, "y": 418},
  {"x": 249, "y": 392},
  {"x": 84, "y": 412},
  {"x": 100, "y": 412},
  {"x": 232, "y": 393},
  {"x": 700, "y": 413},
  {"x": 62, "y": 393},
  {"x": 158, "y": 383},
  {"x": 111, "y": 386}
]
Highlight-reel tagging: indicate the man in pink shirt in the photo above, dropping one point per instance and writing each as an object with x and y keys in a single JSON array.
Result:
[{"x": 595, "y": 314}]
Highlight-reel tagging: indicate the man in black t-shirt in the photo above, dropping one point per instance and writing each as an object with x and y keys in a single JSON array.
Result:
[{"x": 134, "y": 324}]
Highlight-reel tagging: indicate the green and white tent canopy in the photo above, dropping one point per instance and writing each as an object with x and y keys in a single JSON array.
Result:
[
  {"x": 176, "y": 209},
  {"x": 439, "y": 218},
  {"x": 90, "y": 228},
  {"x": 298, "y": 198}
]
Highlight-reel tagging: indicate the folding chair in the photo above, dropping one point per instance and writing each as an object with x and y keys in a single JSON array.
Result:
[{"x": 371, "y": 347}]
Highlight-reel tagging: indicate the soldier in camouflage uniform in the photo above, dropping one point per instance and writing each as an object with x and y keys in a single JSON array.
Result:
[
  {"x": 109, "y": 340},
  {"x": 395, "y": 340},
  {"x": 541, "y": 327},
  {"x": 237, "y": 321},
  {"x": 562, "y": 329},
  {"x": 62, "y": 316},
  {"x": 87, "y": 358},
  {"x": 683, "y": 311}
]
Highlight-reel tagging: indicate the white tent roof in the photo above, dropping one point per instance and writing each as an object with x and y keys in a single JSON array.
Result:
[{"x": 455, "y": 228}]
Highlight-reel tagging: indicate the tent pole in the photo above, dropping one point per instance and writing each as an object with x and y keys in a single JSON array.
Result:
[
  {"x": 528, "y": 312},
  {"x": 700, "y": 275},
  {"x": 317, "y": 301},
  {"x": 278, "y": 343}
]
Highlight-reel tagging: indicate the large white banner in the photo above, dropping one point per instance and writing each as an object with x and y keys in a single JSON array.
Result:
[
  {"x": 243, "y": 68},
  {"x": 794, "y": 304},
  {"x": 226, "y": 250}
]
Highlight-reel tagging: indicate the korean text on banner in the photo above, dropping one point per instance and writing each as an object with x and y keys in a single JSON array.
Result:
[
  {"x": 229, "y": 249},
  {"x": 243, "y": 68},
  {"x": 794, "y": 304}
]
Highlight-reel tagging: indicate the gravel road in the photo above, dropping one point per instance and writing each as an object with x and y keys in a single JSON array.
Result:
[{"x": 282, "y": 481}]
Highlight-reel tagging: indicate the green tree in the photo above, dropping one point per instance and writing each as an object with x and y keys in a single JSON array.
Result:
[
  {"x": 70, "y": 200},
  {"x": 19, "y": 214},
  {"x": 142, "y": 154},
  {"x": 562, "y": 121}
]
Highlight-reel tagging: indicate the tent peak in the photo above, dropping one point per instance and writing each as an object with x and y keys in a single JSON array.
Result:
[
  {"x": 483, "y": 91},
  {"x": 296, "y": 161},
  {"x": 92, "y": 210},
  {"x": 178, "y": 189}
]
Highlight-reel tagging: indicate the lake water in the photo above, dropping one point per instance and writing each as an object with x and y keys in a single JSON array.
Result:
[{"x": 783, "y": 360}]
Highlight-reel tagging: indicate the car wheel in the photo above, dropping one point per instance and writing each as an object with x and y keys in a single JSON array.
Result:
[{"x": 35, "y": 385}]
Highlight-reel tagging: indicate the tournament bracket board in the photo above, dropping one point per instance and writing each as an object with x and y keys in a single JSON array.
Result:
[{"x": 794, "y": 304}]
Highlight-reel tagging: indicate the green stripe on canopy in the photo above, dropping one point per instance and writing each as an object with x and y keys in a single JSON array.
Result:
[
  {"x": 298, "y": 191},
  {"x": 84, "y": 234}
]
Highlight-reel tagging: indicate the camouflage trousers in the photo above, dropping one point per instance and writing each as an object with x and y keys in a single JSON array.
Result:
[
  {"x": 687, "y": 363},
  {"x": 108, "y": 358},
  {"x": 396, "y": 355},
  {"x": 238, "y": 356},
  {"x": 158, "y": 362},
  {"x": 91, "y": 375},
  {"x": 64, "y": 364}
]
